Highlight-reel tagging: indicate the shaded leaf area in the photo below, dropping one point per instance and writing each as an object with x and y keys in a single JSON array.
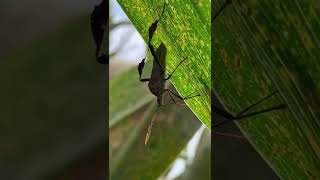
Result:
[
  {"x": 53, "y": 103},
  {"x": 128, "y": 157},
  {"x": 184, "y": 29},
  {"x": 263, "y": 46},
  {"x": 131, "y": 159},
  {"x": 127, "y": 94},
  {"x": 201, "y": 165},
  {"x": 235, "y": 158},
  {"x": 120, "y": 133}
]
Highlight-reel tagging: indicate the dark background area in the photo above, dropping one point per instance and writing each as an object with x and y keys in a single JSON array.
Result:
[
  {"x": 232, "y": 155},
  {"x": 53, "y": 92},
  {"x": 25, "y": 21},
  {"x": 234, "y": 158}
]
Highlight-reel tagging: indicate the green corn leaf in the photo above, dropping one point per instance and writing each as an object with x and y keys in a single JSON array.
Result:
[
  {"x": 266, "y": 45},
  {"x": 184, "y": 29}
]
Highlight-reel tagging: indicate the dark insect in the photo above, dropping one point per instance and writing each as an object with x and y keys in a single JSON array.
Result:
[
  {"x": 99, "y": 23},
  {"x": 158, "y": 79}
]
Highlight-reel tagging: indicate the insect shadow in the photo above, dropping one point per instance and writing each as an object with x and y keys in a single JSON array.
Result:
[
  {"x": 99, "y": 23},
  {"x": 156, "y": 82},
  {"x": 220, "y": 112}
]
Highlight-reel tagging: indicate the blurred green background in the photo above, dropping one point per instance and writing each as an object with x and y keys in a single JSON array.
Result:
[{"x": 53, "y": 93}]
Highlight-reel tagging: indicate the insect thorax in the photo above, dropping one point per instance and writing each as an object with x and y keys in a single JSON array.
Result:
[{"x": 156, "y": 85}]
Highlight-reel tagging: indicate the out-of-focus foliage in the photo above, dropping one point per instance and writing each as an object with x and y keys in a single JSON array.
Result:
[
  {"x": 200, "y": 168},
  {"x": 52, "y": 105}
]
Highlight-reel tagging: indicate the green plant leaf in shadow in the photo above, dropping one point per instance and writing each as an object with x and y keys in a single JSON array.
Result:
[
  {"x": 131, "y": 159},
  {"x": 127, "y": 94},
  {"x": 184, "y": 29},
  {"x": 128, "y": 100},
  {"x": 268, "y": 45}
]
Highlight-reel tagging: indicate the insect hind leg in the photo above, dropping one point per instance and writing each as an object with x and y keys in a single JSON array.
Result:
[
  {"x": 175, "y": 69},
  {"x": 154, "y": 25},
  {"x": 279, "y": 107},
  {"x": 224, "y": 5},
  {"x": 178, "y": 96},
  {"x": 240, "y": 115},
  {"x": 256, "y": 103}
]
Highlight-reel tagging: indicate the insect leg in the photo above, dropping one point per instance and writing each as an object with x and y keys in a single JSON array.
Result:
[
  {"x": 258, "y": 102},
  {"x": 181, "y": 98},
  {"x": 155, "y": 58},
  {"x": 178, "y": 96},
  {"x": 224, "y": 5},
  {"x": 229, "y": 135},
  {"x": 175, "y": 69},
  {"x": 279, "y": 107},
  {"x": 144, "y": 79},
  {"x": 240, "y": 115},
  {"x": 223, "y": 113},
  {"x": 189, "y": 95},
  {"x": 152, "y": 30},
  {"x": 154, "y": 25},
  {"x": 171, "y": 97},
  {"x": 140, "y": 68}
]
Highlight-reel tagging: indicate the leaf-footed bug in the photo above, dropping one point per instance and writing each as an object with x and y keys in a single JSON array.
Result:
[{"x": 157, "y": 80}]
